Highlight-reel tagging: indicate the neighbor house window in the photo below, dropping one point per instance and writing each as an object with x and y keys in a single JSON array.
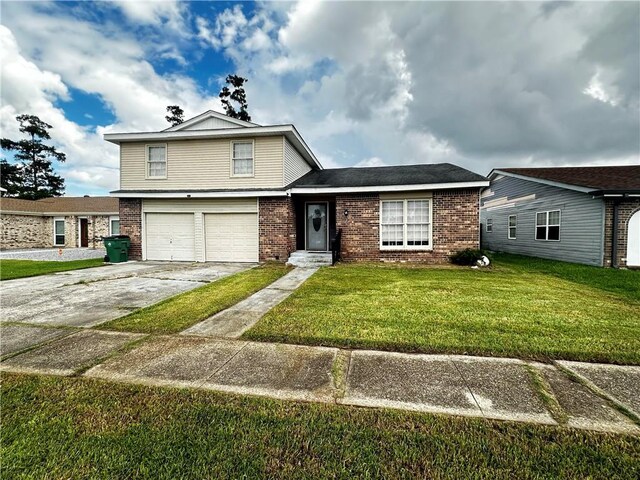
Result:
[
  {"x": 156, "y": 161},
  {"x": 405, "y": 224},
  {"x": 242, "y": 159},
  {"x": 58, "y": 232},
  {"x": 548, "y": 225},
  {"x": 114, "y": 225},
  {"x": 489, "y": 226},
  {"x": 513, "y": 224}
]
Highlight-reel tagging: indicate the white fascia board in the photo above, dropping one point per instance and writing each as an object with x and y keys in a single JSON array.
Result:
[
  {"x": 208, "y": 114},
  {"x": 567, "y": 186},
  {"x": 234, "y": 194},
  {"x": 390, "y": 188},
  {"x": 58, "y": 214},
  {"x": 288, "y": 131}
]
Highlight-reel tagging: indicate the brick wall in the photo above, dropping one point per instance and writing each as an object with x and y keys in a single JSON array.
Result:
[
  {"x": 131, "y": 224},
  {"x": 627, "y": 207},
  {"x": 24, "y": 231},
  {"x": 455, "y": 227},
  {"x": 277, "y": 228}
]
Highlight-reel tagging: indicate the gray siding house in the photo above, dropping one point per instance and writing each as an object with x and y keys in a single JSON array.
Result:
[{"x": 587, "y": 215}]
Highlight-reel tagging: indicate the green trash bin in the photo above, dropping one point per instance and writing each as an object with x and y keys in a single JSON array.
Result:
[{"x": 117, "y": 248}]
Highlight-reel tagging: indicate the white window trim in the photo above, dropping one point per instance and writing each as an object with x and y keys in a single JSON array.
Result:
[
  {"x": 253, "y": 159},
  {"x": 488, "y": 227},
  {"x": 546, "y": 225},
  {"x": 59, "y": 219},
  {"x": 111, "y": 219},
  {"x": 404, "y": 225},
  {"x": 166, "y": 161},
  {"x": 509, "y": 227}
]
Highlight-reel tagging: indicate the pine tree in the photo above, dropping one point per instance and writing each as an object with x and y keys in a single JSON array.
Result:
[
  {"x": 33, "y": 177},
  {"x": 176, "y": 115},
  {"x": 238, "y": 96}
]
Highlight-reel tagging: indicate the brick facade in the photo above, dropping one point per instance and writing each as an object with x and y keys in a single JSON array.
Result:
[
  {"x": 36, "y": 231},
  {"x": 455, "y": 227},
  {"x": 131, "y": 224},
  {"x": 277, "y": 225},
  {"x": 626, "y": 208}
]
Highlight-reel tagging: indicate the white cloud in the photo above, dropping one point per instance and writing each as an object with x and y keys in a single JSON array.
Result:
[
  {"x": 371, "y": 162},
  {"x": 168, "y": 12}
]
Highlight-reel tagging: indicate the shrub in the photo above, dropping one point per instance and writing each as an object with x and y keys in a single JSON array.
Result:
[{"x": 468, "y": 256}]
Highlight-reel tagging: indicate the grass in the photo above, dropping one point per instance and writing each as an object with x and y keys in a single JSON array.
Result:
[
  {"x": 181, "y": 311},
  {"x": 625, "y": 283},
  {"x": 56, "y": 427},
  {"x": 11, "y": 269},
  {"x": 520, "y": 308}
]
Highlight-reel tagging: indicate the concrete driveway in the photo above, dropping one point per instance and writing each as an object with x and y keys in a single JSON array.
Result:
[{"x": 85, "y": 298}]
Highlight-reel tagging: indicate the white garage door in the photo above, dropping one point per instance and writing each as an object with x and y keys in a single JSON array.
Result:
[
  {"x": 170, "y": 236},
  {"x": 231, "y": 237}
]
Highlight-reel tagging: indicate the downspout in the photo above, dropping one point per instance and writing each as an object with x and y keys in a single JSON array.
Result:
[{"x": 614, "y": 235}]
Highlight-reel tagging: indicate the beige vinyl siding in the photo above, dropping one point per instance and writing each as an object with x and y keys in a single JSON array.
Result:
[
  {"x": 202, "y": 164},
  {"x": 211, "y": 123},
  {"x": 199, "y": 207},
  {"x": 294, "y": 165}
]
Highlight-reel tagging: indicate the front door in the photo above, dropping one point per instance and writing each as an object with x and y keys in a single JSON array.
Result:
[
  {"x": 317, "y": 226},
  {"x": 84, "y": 232}
]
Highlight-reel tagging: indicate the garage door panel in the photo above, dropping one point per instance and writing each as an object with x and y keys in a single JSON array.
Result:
[
  {"x": 170, "y": 236},
  {"x": 231, "y": 237}
]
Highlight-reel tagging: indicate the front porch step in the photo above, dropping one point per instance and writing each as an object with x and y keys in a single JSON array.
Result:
[{"x": 303, "y": 258}]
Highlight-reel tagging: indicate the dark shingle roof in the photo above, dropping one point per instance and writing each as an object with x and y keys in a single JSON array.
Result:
[
  {"x": 380, "y": 176},
  {"x": 106, "y": 205},
  {"x": 619, "y": 178}
]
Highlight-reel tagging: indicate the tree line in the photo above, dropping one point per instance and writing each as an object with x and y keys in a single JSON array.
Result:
[{"x": 31, "y": 176}]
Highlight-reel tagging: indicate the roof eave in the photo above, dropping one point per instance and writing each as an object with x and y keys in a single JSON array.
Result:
[{"x": 568, "y": 186}]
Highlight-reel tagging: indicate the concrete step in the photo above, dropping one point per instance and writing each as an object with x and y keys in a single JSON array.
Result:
[{"x": 302, "y": 258}]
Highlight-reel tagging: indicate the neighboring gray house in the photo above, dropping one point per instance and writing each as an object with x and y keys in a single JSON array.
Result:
[{"x": 587, "y": 215}]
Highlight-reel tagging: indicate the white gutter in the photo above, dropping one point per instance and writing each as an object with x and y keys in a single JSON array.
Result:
[
  {"x": 390, "y": 188},
  {"x": 196, "y": 194}
]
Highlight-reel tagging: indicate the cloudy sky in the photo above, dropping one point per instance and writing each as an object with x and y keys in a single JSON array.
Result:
[{"x": 478, "y": 84}]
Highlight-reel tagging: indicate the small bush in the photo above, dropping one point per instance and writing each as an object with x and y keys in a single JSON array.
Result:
[{"x": 468, "y": 256}]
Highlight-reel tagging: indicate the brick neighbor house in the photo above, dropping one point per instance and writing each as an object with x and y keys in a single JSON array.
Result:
[
  {"x": 65, "y": 222},
  {"x": 215, "y": 188},
  {"x": 585, "y": 215}
]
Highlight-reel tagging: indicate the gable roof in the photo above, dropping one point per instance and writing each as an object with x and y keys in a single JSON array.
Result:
[
  {"x": 61, "y": 205},
  {"x": 224, "y": 119},
  {"x": 596, "y": 180},
  {"x": 424, "y": 176}
]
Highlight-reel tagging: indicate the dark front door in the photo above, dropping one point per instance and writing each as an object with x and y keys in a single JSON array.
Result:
[
  {"x": 84, "y": 232},
  {"x": 317, "y": 223}
]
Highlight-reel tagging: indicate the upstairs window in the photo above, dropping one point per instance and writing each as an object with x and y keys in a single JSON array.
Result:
[
  {"x": 489, "y": 226},
  {"x": 58, "y": 232},
  {"x": 156, "y": 161},
  {"x": 242, "y": 159},
  {"x": 405, "y": 224},
  {"x": 513, "y": 226},
  {"x": 548, "y": 225}
]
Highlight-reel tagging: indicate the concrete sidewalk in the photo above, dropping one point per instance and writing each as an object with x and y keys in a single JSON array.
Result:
[
  {"x": 234, "y": 321},
  {"x": 587, "y": 396}
]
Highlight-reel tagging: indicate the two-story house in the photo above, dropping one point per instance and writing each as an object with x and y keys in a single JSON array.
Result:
[{"x": 215, "y": 188}]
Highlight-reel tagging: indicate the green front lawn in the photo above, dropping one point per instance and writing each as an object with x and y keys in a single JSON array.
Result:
[
  {"x": 519, "y": 308},
  {"x": 55, "y": 427},
  {"x": 177, "y": 313},
  {"x": 11, "y": 269}
]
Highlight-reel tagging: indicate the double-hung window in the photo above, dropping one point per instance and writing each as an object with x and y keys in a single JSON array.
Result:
[
  {"x": 156, "y": 161},
  {"x": 114, "y": 225},
  {"x": 513, "y": 226},
  {"x": 489, "y": 226},
  {"x": 242, "y": 159},
  {"x": 548, "y": 225},
  {"x": 58, "y": 232},
  {"x": 405, "y": 224}
]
